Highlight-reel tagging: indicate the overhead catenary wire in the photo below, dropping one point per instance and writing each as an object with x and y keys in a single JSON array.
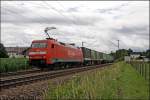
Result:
[
  {"x": 50, "y": 7},
  {"x": 39, "y": 15},
  {"x": 65, "y": 16},
  {"x": 56, "y": 10},
  {"x": 53, "y": 8},
  {"x": 73, "y": 20},
  {"x": 77, "y": 20},
  {"x": 15, "y": 13},
  {"x": 74, "y": 17},
  {"x": 69, "y": 13}
]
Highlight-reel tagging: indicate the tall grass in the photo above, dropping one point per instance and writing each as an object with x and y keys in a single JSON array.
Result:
[
  {"x": 86, "y": 87},
  {"x": 107, "y": 83},
  {"x": 13, "y": 64},
  {"x": 142, "y": 67}
]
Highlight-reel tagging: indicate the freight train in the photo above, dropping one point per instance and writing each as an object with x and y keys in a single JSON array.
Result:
[{"x": 52, "y": 53}]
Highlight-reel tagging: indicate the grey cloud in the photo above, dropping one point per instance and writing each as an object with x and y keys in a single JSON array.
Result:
[
  {"x": 104, "y": 10},
  {"x": 138, "y": 49},
  {"x": 21, "y": 14},
  {"x": 110, "y": 10},
  {"x": 13, "y": 10},
  {"x": 73, "y": 9},
  {"x": 130, "y": 30},
  {"x": 49, "y": 20},
  {"x": 17, "y": 40},
  {"x": 24, "y": 25}
]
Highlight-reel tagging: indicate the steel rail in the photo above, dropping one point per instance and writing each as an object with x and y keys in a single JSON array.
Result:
[
  {"x": 19, "y": 72},
  {"x": 7, "y": 83}
]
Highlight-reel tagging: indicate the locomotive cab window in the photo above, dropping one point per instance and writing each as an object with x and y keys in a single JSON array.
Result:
[
  {"x": 39, "y": 45},
  {"x": 52, "y": 46}
]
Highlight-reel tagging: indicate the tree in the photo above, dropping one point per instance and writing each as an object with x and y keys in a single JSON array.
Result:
[
  {"x": 148, "y": 53},
  {"x": 119, "y": 54},
  {"x": 3, "y": 52},
  {"x": 130, "y": 51}
]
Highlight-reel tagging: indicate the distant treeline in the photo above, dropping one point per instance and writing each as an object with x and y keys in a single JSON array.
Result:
[{"x": 119, "y": 54}]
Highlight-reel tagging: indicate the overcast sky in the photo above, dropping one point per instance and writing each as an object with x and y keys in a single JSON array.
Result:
[{"x": 99, "y": 24}]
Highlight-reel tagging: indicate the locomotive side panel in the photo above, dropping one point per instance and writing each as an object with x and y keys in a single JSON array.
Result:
[{"x": 65, "y": 53}]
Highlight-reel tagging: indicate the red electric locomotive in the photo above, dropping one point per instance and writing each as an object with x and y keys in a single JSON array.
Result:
[{"x": 52, "y": 52}]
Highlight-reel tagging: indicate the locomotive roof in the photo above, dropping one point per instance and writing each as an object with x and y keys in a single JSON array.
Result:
[
  {"x": 61, "y": 43},
  {"x": 69, "y": 45},
  {"x": 39, "y": 40}
]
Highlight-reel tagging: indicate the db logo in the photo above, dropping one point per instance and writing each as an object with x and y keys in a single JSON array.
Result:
[
  {"x": 37, "y": 50},
  {"x": 71, "y": 53}
]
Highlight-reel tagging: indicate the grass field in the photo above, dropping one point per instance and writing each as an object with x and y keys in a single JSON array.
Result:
[
  {"x": 120, "y": 81},
  {"x": 13, "y": 64}
]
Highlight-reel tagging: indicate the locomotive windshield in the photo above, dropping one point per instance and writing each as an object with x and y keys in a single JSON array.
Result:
[{"x": 39, "y": 45}]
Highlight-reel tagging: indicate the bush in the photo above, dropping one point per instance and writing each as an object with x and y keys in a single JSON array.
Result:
[{"x": 3, "y": 52}]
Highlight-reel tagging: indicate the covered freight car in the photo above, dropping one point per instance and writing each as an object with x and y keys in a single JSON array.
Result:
[
  {"x": 106, "y": 58},
  {"x": 86, "y": 55},
  {"x": 94, "y": 57}
]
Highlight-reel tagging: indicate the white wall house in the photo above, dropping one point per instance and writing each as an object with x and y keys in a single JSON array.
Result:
[
  {"x": 15, "y": 55},
  {"x": 127, "y": 58},
  {"x": 134, "y": 56},
  {"x": 16, "y": 52}
]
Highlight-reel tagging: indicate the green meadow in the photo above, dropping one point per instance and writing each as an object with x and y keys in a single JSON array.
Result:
[
  {"x": 118, "y": 81},
  {"x": 13, "y": 64}
]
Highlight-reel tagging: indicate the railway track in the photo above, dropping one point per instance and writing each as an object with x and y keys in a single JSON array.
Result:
[
  {"x": 34, "y": 70},
  {"x": 8, "y": 82}
]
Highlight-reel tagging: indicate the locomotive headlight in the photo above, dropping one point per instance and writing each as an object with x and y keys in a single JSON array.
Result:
[
  {"x": 32, "y": 53},
  {"x": 42, "y": 52}
]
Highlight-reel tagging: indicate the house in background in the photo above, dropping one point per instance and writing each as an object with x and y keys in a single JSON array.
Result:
[
  {"x": 17, "y": 52},
  {"x": 135, "y": 55},
  {"x": 132, "y": 56},
  {"x": 127, "y": 58},
  {"x": 26, "y": 52}
]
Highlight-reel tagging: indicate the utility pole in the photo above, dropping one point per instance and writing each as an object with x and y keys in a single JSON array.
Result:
[
  {"x": 118, "y": 44},
  {"x": 82, "y": 43}
]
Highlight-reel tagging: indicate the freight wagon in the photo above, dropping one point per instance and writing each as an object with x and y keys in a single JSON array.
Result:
[
  {"x": 86, "y": 55},
  {"x": 95, "y": 57}
]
